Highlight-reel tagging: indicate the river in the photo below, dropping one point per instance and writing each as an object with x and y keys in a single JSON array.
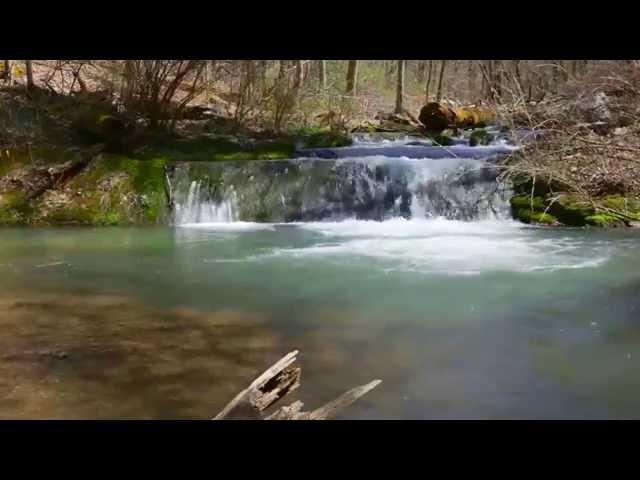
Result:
[{"x": 463, "y": 313}]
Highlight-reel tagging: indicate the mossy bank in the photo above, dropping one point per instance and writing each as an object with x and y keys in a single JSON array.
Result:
[
  {"x": 576, "y": 210},
  {"x": 109, "y": 190},
  {"x": 53, "y": 185}
]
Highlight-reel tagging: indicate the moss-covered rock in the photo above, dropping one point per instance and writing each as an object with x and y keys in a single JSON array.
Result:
[
  {"x": 529, "y": 216},
  {"x": 572, "y": 210},
  {"x": 529, "y": 209},
  {"x": 568, "y": 210},
  {"x": 15, "y": 208},
  {"x": 626, "y": 205},
  {"x": 112, "y": 190},
  {"x": 604, "y": 220},
  {"x": 526, "y": 202},
  {"x": 480, "y": 137},
  {"x": 326, "y": 139},
  {"x": 576, "y": 211},
  {"x": 442, "y": 140}
]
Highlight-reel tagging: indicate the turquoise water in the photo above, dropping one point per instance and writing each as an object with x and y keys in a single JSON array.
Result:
[{"x": 486, "y": 319}]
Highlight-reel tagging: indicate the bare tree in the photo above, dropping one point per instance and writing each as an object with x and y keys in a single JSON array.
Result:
[
  {"x": 352, "y": 77},
  {"x": 442, "y": 67},
  {"x": 284, "y": 97},
  {"x": 6, "y": 73},
  {"x": 428, "y": 85},
  {"x": 497, "y": 80},
  {"x": 471, "y": 77},
  {"x": 154, "y": 85},
  {"x": 29, "y": 65},
  {"x": 400, "y": 87},
  {"x": 322, "y": 75},
  {"x": 297, "y": 84},
  {"x": 422, "y": 71}
]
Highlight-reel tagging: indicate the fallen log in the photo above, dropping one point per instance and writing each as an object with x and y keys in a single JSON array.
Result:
[
  {"x": 436, "y": 117},
  {"x": 278, "y": 381}
]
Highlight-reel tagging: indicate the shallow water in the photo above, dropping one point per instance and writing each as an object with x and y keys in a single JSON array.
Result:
[{"x": 486, "y": 319}]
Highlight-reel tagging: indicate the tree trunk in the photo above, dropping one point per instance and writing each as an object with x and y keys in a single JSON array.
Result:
[
  {"x": 129, "y": 84},
  {"x": 29, "y": 64},
  {"x": 299, "y": 75},
  {"x": 6, "y": 74},
  {"x": 498, "y": 71},
  {"x": 422, "y": 71},
  {"x": 428, "y": 85},
  {"x": 322, "y": 75},
  {"x": 442, "y": 67},
  {"x": 517, "y": 75},
  {"x": 389, "y": 70},
  {"x": 352, "y": 77},
  {"x": 400, "y": 87},
  {"x": 471, "y": 85}
]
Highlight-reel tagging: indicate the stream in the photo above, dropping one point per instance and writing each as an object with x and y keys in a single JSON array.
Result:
[{"x": 373, "y": 262}]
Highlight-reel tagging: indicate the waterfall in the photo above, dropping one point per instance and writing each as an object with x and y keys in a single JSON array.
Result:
[
  {"x": 198, "y": 207},
  {"x": 460, "y": 186}
]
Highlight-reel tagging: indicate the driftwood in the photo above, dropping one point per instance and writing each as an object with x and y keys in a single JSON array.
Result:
[{"x": 279, "y": 380}]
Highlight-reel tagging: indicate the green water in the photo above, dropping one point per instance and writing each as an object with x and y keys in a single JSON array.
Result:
[{"x": 459, "y": 320}]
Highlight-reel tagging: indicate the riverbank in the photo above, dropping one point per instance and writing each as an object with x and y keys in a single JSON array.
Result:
[{"x": 74, "y": 160}]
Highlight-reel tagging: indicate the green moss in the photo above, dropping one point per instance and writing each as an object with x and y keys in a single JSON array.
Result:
[
  {"x": 547, "y": 218},
  {"x": 10, "y": 216},
  {"x": 527, "y": 202},
  {"x": 216, "y": 149},
  {"x": 110, "y": 218},
  {"x": 11, "y": 199},
  {"x": 572, "y": 210},
  {"x": 15, "y": 208},
  {"x": 627, "y": 205},
  {"x": 326, "y": 139},
  {"x": 604, "y": 220},
  {"x": 113, "y": 190},
  {"x": 528, "y": 216},
  {"x": 529, "y": 209}
]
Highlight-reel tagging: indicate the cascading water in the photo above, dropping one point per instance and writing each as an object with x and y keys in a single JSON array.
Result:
[
  {"x": 197, "y": 206},
  {"x": 455, "y": 182}
]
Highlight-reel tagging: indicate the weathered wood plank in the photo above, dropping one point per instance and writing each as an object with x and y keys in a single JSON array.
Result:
[
  {"x": 277, "y": 382},
  {"x": 257, "y": 396}
]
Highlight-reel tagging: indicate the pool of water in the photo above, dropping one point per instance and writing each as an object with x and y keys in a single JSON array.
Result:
[{"x": 485, "y": 319}]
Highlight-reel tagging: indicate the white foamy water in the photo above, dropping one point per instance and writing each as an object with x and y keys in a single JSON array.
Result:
[
  {"x": 445, "y": 246},
  {"x": 198, "y": 210},
  {"x": 400, "y": 227},
  {"x": 456, "y": 183},
  {"x": 431, "y": 246},
  {"x": 228, "y": 226}
]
